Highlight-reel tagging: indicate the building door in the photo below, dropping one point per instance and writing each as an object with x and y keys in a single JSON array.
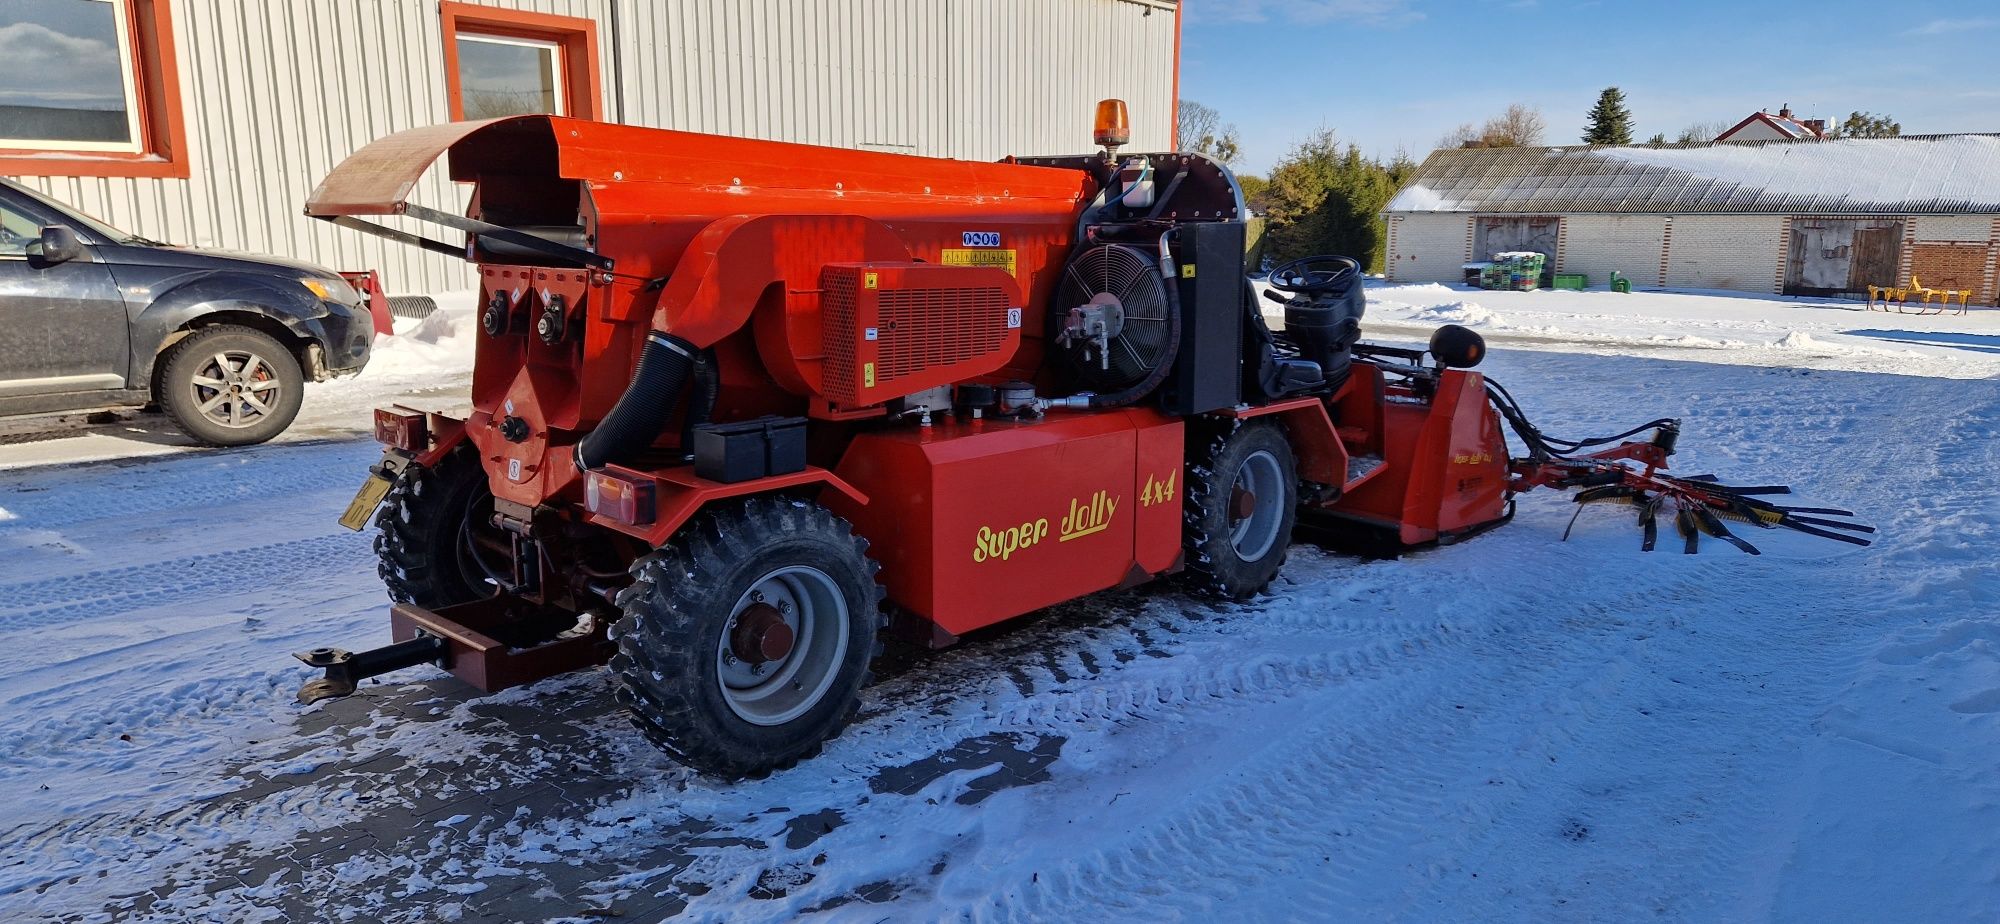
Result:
[
  {"x": 1876, "y": 253},
  {"x": 1528, "y": 233},
  {"x": 1842, "y": 256}
]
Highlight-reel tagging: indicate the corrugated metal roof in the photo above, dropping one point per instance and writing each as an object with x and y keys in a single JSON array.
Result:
[{"x": 1939, "y": 174}]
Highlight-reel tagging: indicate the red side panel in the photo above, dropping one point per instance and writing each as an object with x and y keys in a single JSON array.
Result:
[
  {"x": 894, "y": 329},
  {"x": 985, "y": 521},
  {"x": 1444, "y": 465},
  {"x": 1464, "y": 479}
]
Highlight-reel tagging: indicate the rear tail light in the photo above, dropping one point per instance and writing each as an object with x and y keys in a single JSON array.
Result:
[
  {"x": 620, "y": 497},
  {"x": 402, "y": 428}
]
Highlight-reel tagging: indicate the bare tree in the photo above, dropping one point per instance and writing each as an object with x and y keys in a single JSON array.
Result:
[
  {"x": 1197, "y": 122},
  {"x": 1202, "y": 131},
  {"x": 1520, "y": 126},
  {"x": 1464, "y": 136},
  {"x": 1702, "y": 131}
]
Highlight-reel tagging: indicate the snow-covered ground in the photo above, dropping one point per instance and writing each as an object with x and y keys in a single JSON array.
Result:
[
  {"x": 1701, "y": 326},
  {"x": 1512, "y": 728}
]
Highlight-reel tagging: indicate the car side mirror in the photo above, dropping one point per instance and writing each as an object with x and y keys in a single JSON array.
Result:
[{"x": 59, "y": 245}]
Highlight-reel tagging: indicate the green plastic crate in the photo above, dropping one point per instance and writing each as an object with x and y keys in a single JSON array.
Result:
[{"x": 1576, "y": 282}]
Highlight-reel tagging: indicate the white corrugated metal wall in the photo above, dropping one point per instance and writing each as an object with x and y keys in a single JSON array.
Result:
[{"x": 277, "y": 93}]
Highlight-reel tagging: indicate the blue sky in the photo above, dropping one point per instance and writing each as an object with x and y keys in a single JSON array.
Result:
[{"x": 1401, "y": 73}]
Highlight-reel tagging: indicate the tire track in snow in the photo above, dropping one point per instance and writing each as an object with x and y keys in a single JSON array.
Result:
[
  {"x": 110, "y": 592},
  {"x": 1354, "y": 775},
  {"x": 119, "y": 491}
]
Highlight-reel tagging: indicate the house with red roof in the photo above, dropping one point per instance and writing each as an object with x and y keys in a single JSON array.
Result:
[{"x": 1781, "y": 126}]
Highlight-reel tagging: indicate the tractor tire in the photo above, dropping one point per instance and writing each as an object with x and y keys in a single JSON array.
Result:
[
  {"x": 229, "y": 385},
  {"x": 423, "y": 542},
  {"x": 1239, "y": 508},
  {"x": 745, "y": 642}
]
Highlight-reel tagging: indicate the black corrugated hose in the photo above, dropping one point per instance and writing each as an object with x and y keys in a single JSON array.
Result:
[{"x": 642, "y": 412}]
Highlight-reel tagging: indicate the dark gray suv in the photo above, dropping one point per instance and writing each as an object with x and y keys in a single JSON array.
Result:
[{"x": 92, "y": 317}]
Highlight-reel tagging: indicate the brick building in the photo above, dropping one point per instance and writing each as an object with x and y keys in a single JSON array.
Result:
[{"x": 1822, "y": 218}]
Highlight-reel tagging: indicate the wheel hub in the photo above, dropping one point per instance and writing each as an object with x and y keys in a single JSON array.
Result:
[
  {"x": 1254, "y": 512},
  {"x": 1242, "y": 503},
  {"x": 761, "y": 635}
]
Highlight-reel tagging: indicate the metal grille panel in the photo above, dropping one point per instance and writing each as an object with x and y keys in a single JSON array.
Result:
[{"x": 923, "y": 328}]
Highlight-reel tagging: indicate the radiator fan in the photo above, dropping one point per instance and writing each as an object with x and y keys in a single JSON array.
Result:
[{"x": 1111, "y": 318}]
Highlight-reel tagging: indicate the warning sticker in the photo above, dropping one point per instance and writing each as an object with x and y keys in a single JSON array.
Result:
[{"x": 1003, "y": 259}]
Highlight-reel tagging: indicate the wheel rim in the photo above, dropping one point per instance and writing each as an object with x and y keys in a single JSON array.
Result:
[
  {"x": 810, "y": 607},
  {"x": 237, "y": 389},
  {"x": 1252, "y": 536}
]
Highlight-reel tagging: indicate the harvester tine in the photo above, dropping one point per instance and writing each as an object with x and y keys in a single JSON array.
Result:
[
  {"x": 1649, "y": 522},
  {"x": 1825, "y": 533},
  {"x": 1598, "y": 495},
  {"x": 1831, "y": 524},
  {"x": 1684, "y": 524},
  {"x": 1572, "y": 520},
  {"x": 1746, "y": 490},
  {"x": 1712, "y": 525},
  {"x": 1825, "y": 511}
]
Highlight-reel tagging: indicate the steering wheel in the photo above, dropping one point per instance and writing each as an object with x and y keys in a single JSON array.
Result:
[{"x": 1315, "y": 275}]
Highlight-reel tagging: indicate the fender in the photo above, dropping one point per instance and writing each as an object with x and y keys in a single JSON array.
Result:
[
  {"x": 680, "y": 494},
  {"x": 283, "y": 302}
]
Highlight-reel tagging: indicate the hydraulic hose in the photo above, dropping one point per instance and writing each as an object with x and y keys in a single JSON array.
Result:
[{"x": 642, "y": 412}]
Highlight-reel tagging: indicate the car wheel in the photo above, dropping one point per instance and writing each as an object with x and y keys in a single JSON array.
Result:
[{"x": 231, "y": 386}]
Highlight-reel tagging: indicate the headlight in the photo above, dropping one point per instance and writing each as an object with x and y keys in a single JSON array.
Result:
[{"x": 332, "y": 290}]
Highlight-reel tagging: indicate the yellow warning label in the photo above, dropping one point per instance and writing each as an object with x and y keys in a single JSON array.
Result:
[
  {"x": 982, "y": 257},
  {"x": 1187, "y": 271},
  {"x": 868, "y": 375},
  {"x": 868, "y": 281}
]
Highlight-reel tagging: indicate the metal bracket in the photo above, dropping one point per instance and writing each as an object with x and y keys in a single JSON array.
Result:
[
  {"x": 556, "y": 249},
  {"x": 344, "y": 669}
]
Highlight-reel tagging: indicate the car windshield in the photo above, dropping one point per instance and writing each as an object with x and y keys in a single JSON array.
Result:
[{"x": 88, "y": 223}]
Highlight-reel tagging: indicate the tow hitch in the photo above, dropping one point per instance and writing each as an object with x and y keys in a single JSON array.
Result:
[
  {"x": 492, "y": 643},
  {"x": 345, "y": 669}
]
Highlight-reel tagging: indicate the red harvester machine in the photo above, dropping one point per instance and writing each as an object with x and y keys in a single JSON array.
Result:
[{"x": 740, "y": 405}]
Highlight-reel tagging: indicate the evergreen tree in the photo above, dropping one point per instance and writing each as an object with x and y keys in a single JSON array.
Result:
[
  {"x": 1658, "y": 138},
  {"x": 1610, "y": 121},
  {"x": 1328, "y": 198}
]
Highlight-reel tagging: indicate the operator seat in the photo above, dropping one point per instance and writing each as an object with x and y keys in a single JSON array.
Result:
[
  {"x": 1272, "y": 369},
  {"x": 1324, "y": 300}
]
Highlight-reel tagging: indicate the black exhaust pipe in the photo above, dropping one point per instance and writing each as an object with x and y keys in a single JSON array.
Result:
[{"x": 642, "y": 412}]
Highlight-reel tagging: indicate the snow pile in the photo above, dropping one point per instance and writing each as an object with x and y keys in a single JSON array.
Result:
[
  {"x": 1464, "y": 314},
  {"x": 442, "y": 342}
]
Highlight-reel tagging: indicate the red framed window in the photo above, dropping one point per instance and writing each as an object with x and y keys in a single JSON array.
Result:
[
  {"x": 90, "y": 88},
  {"x": 504, "y": 62}
]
